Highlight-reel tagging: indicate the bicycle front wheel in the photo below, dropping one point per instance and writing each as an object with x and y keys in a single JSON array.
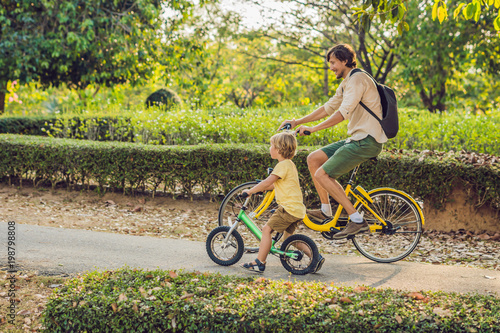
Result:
[
  {"x": 224, "y": 253},
  {"x": 231, "y": 206},
  {"x": 401, "y": 235}
]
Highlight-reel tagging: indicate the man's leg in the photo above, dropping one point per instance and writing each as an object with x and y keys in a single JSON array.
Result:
[
  {"x": 314, "y": 161},
  {"x": 356, "y": 225},
  {"x": 332, "y": 187},
  {"x": 342, "y": 161}
]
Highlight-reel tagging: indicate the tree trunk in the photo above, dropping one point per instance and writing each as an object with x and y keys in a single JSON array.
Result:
[
  {"x": 433, "y": 102},
  {"x": 325, "y": 76},
  {"x": 3, "y": 91}
]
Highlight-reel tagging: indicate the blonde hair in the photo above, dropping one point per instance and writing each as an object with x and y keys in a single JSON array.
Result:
[{"x": 285, "y": 143}]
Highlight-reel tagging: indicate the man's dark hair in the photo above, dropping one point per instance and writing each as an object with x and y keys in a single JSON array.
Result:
[{"x": 343, "y": 52}]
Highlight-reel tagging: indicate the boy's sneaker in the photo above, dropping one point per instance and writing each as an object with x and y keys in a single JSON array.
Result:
[
  {"x": 352, "y": 229},
  {"x": 317, "y": 215},
  {"x": 321, "y": 261}
]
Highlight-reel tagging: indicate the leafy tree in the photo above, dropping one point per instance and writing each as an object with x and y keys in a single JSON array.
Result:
[
  {"x": 79, "y": 42},
  {"x": 396, "y": 10},
  {"x": 195, "y": 53},
  {"x": 254, "y": 80},
  {"x": 315, "y": 26},
  {"x": 435, "y": 54}
]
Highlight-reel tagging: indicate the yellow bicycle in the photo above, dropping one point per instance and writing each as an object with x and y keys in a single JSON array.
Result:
[{"x": 394, "y": 217}]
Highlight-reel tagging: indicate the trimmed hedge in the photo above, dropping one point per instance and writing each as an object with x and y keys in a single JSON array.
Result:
[
  {"x": 89, "y": 128},
  {"x": 25, "y": 125},
  {"x": 166, "y": 301},
  {"x": 216, "y": 168},
  {"x": 418, "y": 129}
]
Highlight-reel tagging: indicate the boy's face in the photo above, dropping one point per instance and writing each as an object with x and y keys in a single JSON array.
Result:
[{"x": 274, "y": 152}]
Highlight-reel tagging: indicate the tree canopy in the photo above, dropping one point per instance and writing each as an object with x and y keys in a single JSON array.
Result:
[
  {"x": 395, "y": 11},
  {"x": 79, "y": 42}
]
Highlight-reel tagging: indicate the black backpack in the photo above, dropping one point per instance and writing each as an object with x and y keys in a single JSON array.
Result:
[{"x": 389, "y": 121}]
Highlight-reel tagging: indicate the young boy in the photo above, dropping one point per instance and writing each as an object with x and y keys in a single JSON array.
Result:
[{"x": 285, "y": 180}]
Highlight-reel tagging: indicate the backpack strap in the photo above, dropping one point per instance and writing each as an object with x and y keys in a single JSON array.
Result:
[{"x": 357, "y": 70}]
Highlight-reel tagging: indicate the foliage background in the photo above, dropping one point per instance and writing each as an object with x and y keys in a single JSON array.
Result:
[{"x": 210, "y": 57}]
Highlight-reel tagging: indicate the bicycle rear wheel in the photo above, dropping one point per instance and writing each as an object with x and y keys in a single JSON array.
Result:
[
  {"x": 301, "y": 245},
  {"x": 401, "y": 235},
  {"x": 231, "y": 206}
]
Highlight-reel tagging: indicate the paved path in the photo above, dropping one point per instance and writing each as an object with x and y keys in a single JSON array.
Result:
[{"x": 58, "y": 251}]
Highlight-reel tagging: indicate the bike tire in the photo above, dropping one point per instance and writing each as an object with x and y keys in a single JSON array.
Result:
[
  {"x": 400, "y": 211},
  {"x": 231, "y": 206},
  {"x": 224, "y": 256},
  {"x": 306, "y": 264}
]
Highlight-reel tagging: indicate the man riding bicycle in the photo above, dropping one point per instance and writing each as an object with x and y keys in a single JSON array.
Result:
[{"x": 366, "y": 136}]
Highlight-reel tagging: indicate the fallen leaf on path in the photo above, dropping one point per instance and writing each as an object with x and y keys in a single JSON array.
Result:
[
  {"x": 24, "y": 312},
  {"x": 187, "y": 296},
  {"x": 442, "y": 312},
  {"x": 359, "y": 289},
  {"x": 415, "y": 295},
  {"x": 484, "y": 236},
  {"x": 345, "y": 300}
]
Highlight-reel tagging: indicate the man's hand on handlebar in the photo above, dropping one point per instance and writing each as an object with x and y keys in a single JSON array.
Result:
[
  {"x": 292, "y": 123},
  {"x": 304, "y": 130}
]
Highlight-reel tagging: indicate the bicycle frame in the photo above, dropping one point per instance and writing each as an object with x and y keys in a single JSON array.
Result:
[
  {"x": 243, "y": 217},
  {"x": 358, "y": 193}
]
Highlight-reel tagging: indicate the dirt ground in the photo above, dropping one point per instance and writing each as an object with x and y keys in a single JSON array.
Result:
[
  {"x": 194, "y": 219},
  {"x": 181, "y": 218}
]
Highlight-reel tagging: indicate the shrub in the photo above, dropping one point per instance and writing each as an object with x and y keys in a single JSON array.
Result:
[
  {"x": 166, "y": 98},
  {"x": 215, "y": 169},
  {"x": 25, "y": 125},
  {"x": 129, "y": 300},
  {"x": 419, "y": 130}
]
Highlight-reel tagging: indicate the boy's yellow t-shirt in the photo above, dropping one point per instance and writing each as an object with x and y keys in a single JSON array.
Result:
[{"x": 288, "y": 194}]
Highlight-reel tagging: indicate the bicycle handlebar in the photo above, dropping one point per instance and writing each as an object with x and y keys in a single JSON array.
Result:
[{"x": 289, "y": 126}]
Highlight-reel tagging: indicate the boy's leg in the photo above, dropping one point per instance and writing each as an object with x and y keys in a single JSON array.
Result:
[
  {"x": 300, "y": 246},
  {"x": 275, "y": 221},
  {"x": 265, "y": 243}
]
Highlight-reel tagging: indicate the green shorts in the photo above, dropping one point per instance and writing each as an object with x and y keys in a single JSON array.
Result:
[{"x": 344, "y": 156}]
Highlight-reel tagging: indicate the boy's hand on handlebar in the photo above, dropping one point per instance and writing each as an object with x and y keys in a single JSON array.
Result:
[
  {"x": 304, "y": 130},
  {"x": 245, "y": 194},
  {"x": 292, "y": 123}
]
